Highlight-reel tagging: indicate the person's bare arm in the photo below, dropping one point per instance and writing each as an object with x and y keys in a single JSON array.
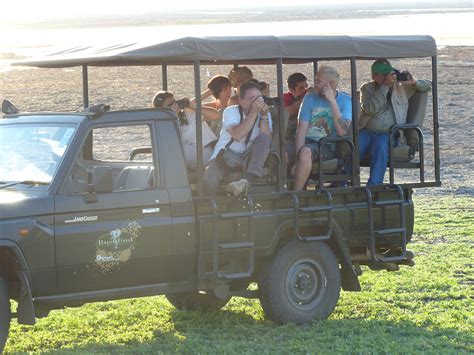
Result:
[
  {"x": 208, "y": 113},
  {"x": 204, "y": 95},
  {"x": 294, "y": 107},
  {"x": 339, "y": 123},
  {"x": 238, "y": 132},
  {"x": 299, "y": 141},
  {"x": 301, "y": 135}
]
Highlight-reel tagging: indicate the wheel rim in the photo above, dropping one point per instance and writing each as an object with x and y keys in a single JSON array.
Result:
[{"x": 305, "y": 284}]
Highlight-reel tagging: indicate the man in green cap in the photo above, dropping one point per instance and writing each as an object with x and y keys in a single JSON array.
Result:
[{"x": 384, "y": 103}]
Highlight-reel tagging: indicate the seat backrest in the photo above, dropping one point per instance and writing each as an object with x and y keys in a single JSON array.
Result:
[
  {"x": 416, "y": 114},
  {"x": 102, "y": 179},
  {"x": 134, "y": 178},
  {"x": 417, "y": 108},
  {"x": 276, "y": 125}
]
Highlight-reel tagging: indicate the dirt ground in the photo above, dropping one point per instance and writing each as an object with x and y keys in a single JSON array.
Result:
[{"x": 34, "y": 89}]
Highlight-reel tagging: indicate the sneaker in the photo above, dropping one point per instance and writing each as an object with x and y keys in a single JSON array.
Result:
[{"x": 238, "y": 187}]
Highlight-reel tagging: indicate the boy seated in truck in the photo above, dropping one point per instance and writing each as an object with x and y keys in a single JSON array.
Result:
[{"x": 324, "y": 112}]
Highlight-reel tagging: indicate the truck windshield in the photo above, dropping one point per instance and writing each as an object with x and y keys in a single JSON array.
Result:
[{"x": 32, "y": 152}]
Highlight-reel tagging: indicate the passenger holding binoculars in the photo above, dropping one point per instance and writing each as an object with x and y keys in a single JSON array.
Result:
[
  {"x": 186, "y": 113},
  {"x": 384, "y": 103}
]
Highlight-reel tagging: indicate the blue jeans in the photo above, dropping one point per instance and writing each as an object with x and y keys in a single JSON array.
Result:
[{"x": 377, "y": 145}]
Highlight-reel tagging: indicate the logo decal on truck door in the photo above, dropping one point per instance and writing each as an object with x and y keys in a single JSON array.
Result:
[{"x": 115, "y": 247}]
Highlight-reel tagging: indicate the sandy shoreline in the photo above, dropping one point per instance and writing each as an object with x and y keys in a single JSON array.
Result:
[{"x": 133, "y": 87}]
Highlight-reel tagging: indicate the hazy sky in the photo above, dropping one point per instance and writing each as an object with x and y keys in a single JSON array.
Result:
[{"x": 37, "y": 9}]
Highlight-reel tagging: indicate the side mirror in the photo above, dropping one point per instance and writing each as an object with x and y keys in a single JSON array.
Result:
[
  {"x": 97, "y": 110},
  {"x": 8, "y": 107}
]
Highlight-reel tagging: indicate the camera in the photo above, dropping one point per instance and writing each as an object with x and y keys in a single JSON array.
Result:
[
  {"x": 402, "y": 76},
  {"x": 182, "y": 103},
  {"x": 271, "y": 101}
]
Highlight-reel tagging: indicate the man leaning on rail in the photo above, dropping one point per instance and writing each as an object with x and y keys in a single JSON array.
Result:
[{"x": 384, "y": 103}]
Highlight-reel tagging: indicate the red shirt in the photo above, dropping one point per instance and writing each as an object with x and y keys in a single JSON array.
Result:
[{"x": 288, "y": 100}]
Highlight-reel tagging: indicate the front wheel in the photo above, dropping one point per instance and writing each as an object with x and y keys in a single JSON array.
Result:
[
  {"x": 5, "y": 313},
  {"x": 301, "y": 283},
  {"x": 196, "y": 301}
]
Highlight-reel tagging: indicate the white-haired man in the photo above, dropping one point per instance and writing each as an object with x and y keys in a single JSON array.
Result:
[{"x": 324, "y": 112}]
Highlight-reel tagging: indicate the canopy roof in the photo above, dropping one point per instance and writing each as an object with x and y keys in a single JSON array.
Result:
[{"x": 242, "y": 49}]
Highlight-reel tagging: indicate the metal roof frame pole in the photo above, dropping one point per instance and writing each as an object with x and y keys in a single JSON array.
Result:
[
  {"x": 434, "y": 64},
  {"x": 355, "y": 125},
  {"x": 164, "y": 77},
  {"x": 315, "y": 70},
  {"x": 85, "y": 86},
  {"x": 197, "y": 95},
  {"x": 281, "y": 124}
]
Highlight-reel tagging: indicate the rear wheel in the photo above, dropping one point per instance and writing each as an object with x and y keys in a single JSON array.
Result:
[
  {"x": 195, "y": 301},
  {"x": 5, "y": 313},
  {"x": 301, "y": 283}
]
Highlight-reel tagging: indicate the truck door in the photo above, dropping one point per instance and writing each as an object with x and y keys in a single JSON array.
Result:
[{"x": 124, "y": 237}]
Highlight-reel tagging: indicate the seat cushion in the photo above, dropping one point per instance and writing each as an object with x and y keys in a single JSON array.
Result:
[
  {"x": 329, "y": 166},
  {"x": 134, "y": 178}
]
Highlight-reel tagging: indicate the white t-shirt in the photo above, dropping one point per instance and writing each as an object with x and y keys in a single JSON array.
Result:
[
  {"x": 188, "y": 132},
  {"x": 231, "y": 117}
]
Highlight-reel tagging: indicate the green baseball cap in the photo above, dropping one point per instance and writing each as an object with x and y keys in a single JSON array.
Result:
[{"x": 382, "y": 66}]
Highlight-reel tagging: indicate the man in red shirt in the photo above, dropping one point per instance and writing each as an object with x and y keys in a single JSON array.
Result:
[{"x": 297, "y": 88}]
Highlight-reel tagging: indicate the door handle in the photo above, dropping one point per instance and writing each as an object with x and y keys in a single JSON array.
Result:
[{"x": 151, "y": 210}]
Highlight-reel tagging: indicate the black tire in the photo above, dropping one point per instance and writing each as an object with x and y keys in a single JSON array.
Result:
[
  {"x": 300, "y": 284},
  {"x": 5, "y": 312},
  {"x": 195, "y": 301}
]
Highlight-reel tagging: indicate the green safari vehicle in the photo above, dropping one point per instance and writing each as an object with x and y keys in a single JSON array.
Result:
[{"x": 85, "y": 219}]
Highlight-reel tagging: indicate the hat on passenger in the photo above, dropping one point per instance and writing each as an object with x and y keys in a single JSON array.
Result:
[{"x": 382, "y": 66}]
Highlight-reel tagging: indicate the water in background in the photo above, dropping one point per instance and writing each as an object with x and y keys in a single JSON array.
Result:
[{"x": 450, "y": 28}]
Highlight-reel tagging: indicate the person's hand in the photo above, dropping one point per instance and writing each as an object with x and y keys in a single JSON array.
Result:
[
  {"x": 389, "y": 79},
  {"x": 175, "y": 107},
  {"x": 258, "y": 105},
  {"x": 192, "y": 105},
  {"x": 328, "y": 93}
]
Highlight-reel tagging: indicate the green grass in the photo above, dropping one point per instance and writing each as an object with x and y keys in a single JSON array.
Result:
[{"x": 428, "y": 308}]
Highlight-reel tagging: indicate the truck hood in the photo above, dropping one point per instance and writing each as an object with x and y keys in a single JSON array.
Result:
[{"x": 14, "y": 204}]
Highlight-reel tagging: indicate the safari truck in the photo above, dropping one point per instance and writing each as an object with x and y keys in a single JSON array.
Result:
[{"x": 87, "y": 217}]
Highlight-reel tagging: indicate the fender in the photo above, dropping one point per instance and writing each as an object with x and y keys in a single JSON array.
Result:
[
  {"x": 26, "y": 309},
  {"x": 349, "y": 278},
  {"x": 16, "y": 251}
]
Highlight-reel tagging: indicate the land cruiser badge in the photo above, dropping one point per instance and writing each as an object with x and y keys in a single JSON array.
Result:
[{"x": 82, "y": 219}]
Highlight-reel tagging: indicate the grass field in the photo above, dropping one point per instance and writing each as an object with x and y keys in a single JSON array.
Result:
[{"x": 428, "y": 308}]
